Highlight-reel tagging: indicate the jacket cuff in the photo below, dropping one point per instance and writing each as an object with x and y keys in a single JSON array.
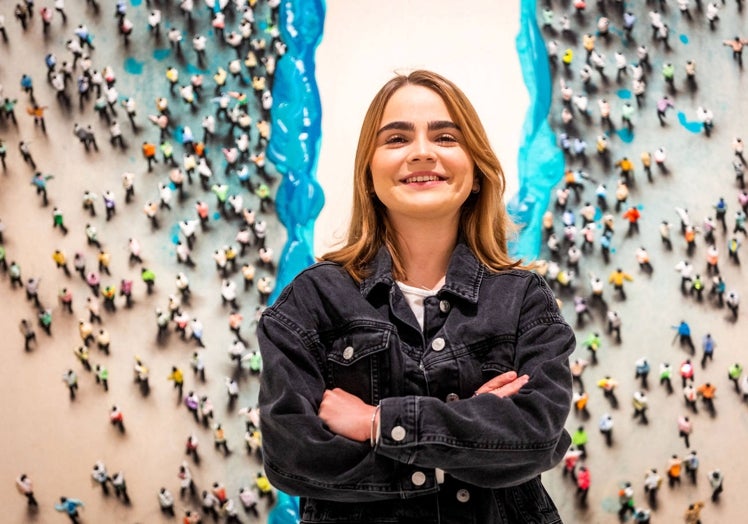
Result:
[{"x": 398, "y": 423}]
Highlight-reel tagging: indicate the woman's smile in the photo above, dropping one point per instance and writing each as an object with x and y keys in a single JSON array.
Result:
[{"x": 424, "y": 179}]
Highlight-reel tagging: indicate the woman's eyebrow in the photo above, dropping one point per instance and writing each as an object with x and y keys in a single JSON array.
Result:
[
  {"x": 438, "y": 125},
  {"x": 397, "y": 125},
  {"x": 409, "y": 126}
]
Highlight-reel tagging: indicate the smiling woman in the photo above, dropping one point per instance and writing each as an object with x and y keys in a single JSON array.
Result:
[{"x": 418, "y": 374}]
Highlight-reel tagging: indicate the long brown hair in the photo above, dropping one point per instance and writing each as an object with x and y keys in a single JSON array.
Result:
[{"x": 484, "y": 223}]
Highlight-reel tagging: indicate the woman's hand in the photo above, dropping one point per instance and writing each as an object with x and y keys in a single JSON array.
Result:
[
  {"x": 504, "y": 385},
  {"x": 346, "y": 414}
]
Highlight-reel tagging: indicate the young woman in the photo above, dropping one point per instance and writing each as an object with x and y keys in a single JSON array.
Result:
[{"x": 418, "y": 374}]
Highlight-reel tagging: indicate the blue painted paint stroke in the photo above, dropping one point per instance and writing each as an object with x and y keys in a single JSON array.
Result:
[
  {"x": 625, "y": 135},
  {"x": 194, "y": 70},
  {"x": 690, "y": 125},
  {"x": 133, "y": 66},
  {"x": 161, "y": 54},
  {"x": 296, "y": 119},
  {"x": 286, "y": 510},
  {"x": 296, "y": 123},
  {"x": 174, "y": 231},
  {"x": 540, "y": 163}
]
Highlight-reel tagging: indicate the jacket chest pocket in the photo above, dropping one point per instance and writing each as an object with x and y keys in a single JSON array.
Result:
[
  {"x": 485, "y": 360},
  {"x": 358, "y": 360}
]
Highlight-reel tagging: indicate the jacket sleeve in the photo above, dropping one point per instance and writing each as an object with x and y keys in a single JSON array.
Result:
[
  {"x": 301, "y": 455},
  {"x": 486, "y": 440}
]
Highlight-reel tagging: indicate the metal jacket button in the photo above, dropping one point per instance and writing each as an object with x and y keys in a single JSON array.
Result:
[
  {"x": 398, "y": 433},
  {"x": 348, "y": 353},
  {"x": 452, "y": 397},
  {"x": 463, "y": 495},
  {"x": 418, "y": 478},
  {"x": 444, "y": 306},
  {"x": 438, "y": 344}
]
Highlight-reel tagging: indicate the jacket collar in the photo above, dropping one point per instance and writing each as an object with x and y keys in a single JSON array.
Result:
[{"x": 464, "y": 274}]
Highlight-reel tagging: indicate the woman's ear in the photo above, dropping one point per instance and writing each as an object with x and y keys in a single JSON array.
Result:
[{"x": 476, "y": 182}]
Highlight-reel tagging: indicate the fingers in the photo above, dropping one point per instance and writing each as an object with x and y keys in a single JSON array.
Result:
[
  {"x": 512, "y": 388},
  {"x": 328, "y": 398},
  {"x": 505, "y": 385},
  {"x": 337, "y": 401},
  {"x": 336, "y": 394},
  {"x": 497, "y": 382},
  {"x": 327, "y": 407}
]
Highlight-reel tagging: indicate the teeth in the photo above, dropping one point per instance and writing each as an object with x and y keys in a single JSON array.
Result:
[{"x": 422, "y": 179}]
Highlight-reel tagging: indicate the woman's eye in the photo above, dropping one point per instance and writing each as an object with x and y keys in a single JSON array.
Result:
[
  {"x": 395, "y": 139},
  {"x": 446, "y": 138}
]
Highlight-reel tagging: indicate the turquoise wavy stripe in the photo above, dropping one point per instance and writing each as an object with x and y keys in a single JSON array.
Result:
[
  {"x": 297, "y": 132},
  {"x": 294, "y": 145},
  {"x": 540, "y": 163}
]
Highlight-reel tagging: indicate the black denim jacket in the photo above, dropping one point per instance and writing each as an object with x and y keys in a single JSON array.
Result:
[{"x": 326, "y": 331}]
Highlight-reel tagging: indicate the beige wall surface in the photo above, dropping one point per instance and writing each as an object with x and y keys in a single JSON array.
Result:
[{"x": 471, "y": 43}]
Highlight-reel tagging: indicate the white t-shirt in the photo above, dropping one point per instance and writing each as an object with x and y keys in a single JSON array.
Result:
[{"x": 415, "y": 296}]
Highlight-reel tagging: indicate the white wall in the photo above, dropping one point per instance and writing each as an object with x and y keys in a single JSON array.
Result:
[{"x": 471, "y": 42}]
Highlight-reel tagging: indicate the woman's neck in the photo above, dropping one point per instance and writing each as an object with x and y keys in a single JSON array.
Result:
[{"x": 425, "y": 250}]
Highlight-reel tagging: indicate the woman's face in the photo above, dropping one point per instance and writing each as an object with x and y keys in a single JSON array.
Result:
[{"x": 420, "y": 168}]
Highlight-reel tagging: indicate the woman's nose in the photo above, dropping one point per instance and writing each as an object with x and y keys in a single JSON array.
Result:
[{"x": 421, "y": 150}]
